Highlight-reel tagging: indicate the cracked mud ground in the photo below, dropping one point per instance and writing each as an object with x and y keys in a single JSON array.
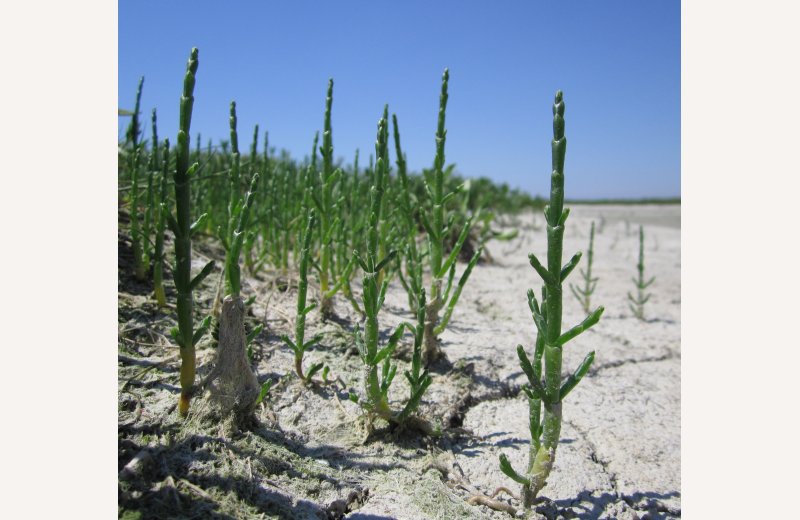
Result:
[{"x": 619, "y": 455}]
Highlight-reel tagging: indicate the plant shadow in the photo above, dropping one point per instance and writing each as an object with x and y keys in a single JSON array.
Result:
[{"x": 588, "y": 506}]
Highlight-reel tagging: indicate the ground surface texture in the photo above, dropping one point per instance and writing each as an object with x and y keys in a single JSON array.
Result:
[{"x": 308, "y": 455}]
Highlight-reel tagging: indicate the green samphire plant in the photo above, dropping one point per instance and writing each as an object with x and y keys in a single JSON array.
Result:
[
  {"x": 437, "y": 225},
  {"x": 158, "y": 249},
  {"x": 636, "y": 304},
  {"x": 375, "y": 399},
  {"x": 584, "y": 294},
  {"x": 182, "y": 228},
  {"x": 545, "y": 396},
  {"x": 299, "y": 345},
  {"x": 138, "y": 242}
]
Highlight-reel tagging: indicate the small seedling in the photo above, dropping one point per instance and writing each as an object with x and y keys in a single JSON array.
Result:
[
  {"x": 264, "y": 393},
  {"x": 250, "y": 338},
  {"x": 418, "y": 382},
  {"x": 584, "y": 294},
  {"x": 602, "y": 225},
  {"x": 299, "y": 345},
  {"x": 637, "y": 304}
]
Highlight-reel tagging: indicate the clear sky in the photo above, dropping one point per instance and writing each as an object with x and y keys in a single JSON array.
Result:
[{"x": 618, "y": 63}]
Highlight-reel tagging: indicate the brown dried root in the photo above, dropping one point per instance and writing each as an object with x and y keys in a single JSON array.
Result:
[
  {"x": 481, "y": 499},
  {"x": 350, "y": 417},
  {"x": 503, "y": 489},
  {"x": 476, "y": 498},
  {"x": 490, "y": 502}
]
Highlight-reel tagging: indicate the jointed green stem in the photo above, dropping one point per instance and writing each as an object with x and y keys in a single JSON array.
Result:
[
  {"x": 136, "y": 237},
  {"x": 437, "y": 229},
  {"x": 584, "y": 294},
  {"x": 299, "y": 345},
  {"x": 545, "y": 396},
  {"x": 637, "y": 304},
  {"x": 327, "y": 178},
  {"x": 234, "y": 199},
  {"x": 233, "y": 271},
  {"x": 412, "y": 281},
  {"x": 185, "y": 336},
  {"x": 150, "y": 204},
  {"x": 158, "y": 254}
]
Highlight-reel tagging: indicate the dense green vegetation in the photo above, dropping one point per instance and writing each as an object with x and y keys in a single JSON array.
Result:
[
  {"x": 625, "y": 202},
  {"x": 258, "y": 206}
]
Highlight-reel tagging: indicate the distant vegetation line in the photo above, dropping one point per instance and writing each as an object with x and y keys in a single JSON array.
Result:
[{"x": 663, "y": 201}]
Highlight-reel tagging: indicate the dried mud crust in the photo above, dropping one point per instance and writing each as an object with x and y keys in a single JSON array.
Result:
[{"x": 307, "y": 454}]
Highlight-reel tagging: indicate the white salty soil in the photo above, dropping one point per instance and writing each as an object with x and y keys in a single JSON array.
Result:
[{"x": 619, "y": 455}]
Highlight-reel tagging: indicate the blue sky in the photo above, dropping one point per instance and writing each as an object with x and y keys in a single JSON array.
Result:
[{"x": 618, "y": 63}]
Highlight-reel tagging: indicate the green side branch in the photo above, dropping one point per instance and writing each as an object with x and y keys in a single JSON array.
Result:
[{"x": 325, "y": 206}]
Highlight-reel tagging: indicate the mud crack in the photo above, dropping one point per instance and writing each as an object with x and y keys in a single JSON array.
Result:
[
  {"x": 639, "y": 502},
  {"x": 454, "y": 418}
]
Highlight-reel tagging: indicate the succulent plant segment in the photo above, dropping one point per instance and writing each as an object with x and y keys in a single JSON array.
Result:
[
  {"x": 239, "y": 217},
  {"x": 182, "y": 227},
  {"x": 299, "y": 345},
  {"x": 584, "y": 294},
  {"x": 545, "y": 396},
  {"x": 412, "y": 279},
  {"x": 437, "y": 227},
  {"x": 636, "y": 304},
  {"x": 328, "y": 178},
  {"x": 158, "y": 249},
  {"x": 418, "y": 379},
  {"x": 351, "y": 225},
  {"x": 137, "y": 240}
]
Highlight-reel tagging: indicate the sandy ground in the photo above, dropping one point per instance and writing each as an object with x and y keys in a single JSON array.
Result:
[{"x": 619, "y": 455}]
